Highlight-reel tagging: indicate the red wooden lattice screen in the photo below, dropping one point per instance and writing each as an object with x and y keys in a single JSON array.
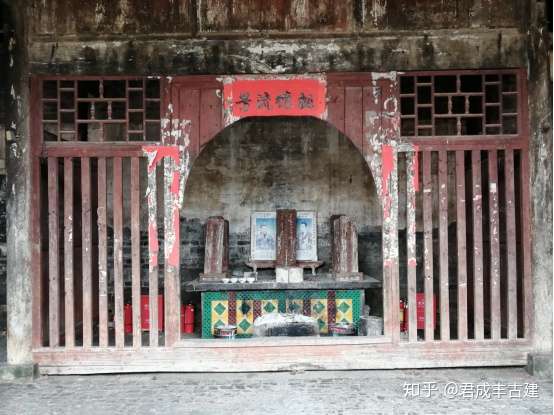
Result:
[
  {"x": 470, "y": 130},
  {"x": 465, "y": 192}
]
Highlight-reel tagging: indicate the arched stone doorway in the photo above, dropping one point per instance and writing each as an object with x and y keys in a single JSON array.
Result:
[{"x": 269, "y": 163}]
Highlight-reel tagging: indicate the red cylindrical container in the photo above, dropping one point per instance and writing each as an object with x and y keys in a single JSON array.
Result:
[
  {"x": 145, "y": 312},
  {"x": 128, "y": 319},
  {"x": 403, "y": 325},
  {"x": 420, "y": 299},
  {"x": 182, "y": 320},
  {"x": 188, "y": 324}
]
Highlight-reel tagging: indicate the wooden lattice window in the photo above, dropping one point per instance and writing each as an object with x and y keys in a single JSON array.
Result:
[
  {"x": 467, "y": 103},
  {"x": 100, "y": 109}
]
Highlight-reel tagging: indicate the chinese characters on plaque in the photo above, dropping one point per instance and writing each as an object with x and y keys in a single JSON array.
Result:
[
  {"x": 301, "y": 96},
  {"x": 264, "y": 101}
]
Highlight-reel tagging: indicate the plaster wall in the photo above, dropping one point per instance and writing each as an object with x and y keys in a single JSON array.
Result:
[{"x": 265, "y": 164}]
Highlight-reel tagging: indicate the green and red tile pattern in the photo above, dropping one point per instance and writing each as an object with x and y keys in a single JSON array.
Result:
[{"x": 241, "y": 308}]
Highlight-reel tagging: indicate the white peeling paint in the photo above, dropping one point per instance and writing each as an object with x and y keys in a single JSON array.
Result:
[
  {"x": 376, "y": 92},
  {"x": 395, "y": 105},
  {"x": 99, "y": 13},
  {"x": 274, "y": 47},
  {"x": 391, "y": 76},
  {"x": 378, "y": 10},
  {"x": 14, "y": 149}
]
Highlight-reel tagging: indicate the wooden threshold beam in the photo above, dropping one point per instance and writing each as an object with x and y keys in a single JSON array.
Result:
[{"x": 279, "y": 358}]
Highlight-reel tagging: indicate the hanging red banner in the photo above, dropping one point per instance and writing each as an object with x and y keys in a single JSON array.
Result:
[{"x": 298, "y": 96}]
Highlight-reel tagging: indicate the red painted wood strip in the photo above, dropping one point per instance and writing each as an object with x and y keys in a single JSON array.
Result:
[
  {"x": 353, "y": 117},
  {"x": 461, "y": 236},
  {"x": 390, "y": 264},
  {"x": 166, "y": 86},
  {"x": 153, "y": 257},
  {"x": 393, "y": 266},
  {"x": 428, "y": 244},
  {"x": 331, "y": 306},
  {"x": 372, "y": 103},
  {"x": 257, "y": 312},
  {"x": 83, "y": 149},
  {"x": 210, "y": 114},
  {"x": 38, "y": 294},
  {"x": 232, "y": 308},
  {"x": 102, "y": 256},
  {"x": 411, "y": 165},
  {"x": 389, "y": 115},
  {"x": 511, "y": 244},
  {"x": 390, "y": 109},
  {"x": 335, "y": 107},
  {"x": 68, "y": 253},
  {"x": 494, "y": 237},
  {"x": 172, "y": 288},
  {"x": 348, "y": 78},
  {"x": 307, "y": 307},
  {"x": 526, "y": 243},
  {"x": 443, "y": 246},
  {"x": 205, "y": 81},
  {"x": 189, "y": 111},
  {"x": 53, "y": 254},
  {"x": 388, "y": 323},
  {"x": 525, "y": 209},
  {"x": 38, "y": 309},
  {"x": 86, "y": 250},
  {"x": 135, "y": 249},
  {"x": 118, "y": 251},
  {"x": 477, "y": 195},
  {"x": 461, "y": 143}
]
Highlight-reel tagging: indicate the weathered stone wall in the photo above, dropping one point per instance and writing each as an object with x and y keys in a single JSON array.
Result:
[
  {"x": 285, "y": 36},
  {"x": 209, "y": 17}
]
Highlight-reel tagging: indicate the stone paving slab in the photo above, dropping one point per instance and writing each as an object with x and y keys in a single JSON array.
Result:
[{"x": 353, "y": 392}]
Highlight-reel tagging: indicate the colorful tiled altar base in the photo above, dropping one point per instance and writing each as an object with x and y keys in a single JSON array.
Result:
[{"x": 241, "y": 308}]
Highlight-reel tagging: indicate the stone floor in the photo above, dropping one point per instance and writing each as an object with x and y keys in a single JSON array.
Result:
[{"x": 453, "y": 391}]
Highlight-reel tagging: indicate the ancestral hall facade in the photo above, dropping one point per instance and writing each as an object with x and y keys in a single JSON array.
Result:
[{"x": 404, "y": 149}]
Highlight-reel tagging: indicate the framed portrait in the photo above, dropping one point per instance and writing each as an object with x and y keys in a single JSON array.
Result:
[
  {"x": 306, "y": 236},
  {"x": 263, "y": 236}
]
